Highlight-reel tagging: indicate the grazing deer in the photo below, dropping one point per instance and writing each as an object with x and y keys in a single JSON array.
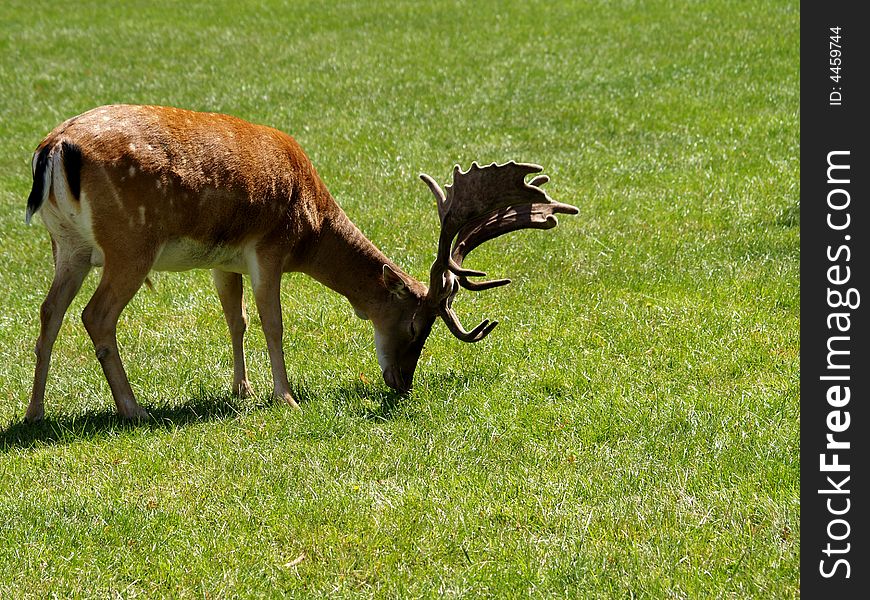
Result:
[{"x": 141, "y": 188}]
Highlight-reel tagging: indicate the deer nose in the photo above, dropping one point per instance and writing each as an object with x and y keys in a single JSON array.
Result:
[{"x": 393, "y": 378}]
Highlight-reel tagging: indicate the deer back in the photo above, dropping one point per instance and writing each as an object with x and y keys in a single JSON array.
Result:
[{"x": 213, "y": 180}]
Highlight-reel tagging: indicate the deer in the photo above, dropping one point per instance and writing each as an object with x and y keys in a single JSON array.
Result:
[{"x": 136, "y": 188}]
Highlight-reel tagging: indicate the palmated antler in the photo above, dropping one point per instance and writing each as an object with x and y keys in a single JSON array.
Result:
[{"x": 481, "y": 204}]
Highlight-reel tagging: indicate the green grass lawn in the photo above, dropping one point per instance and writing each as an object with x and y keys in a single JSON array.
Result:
[{"x": 629, "y": 430}]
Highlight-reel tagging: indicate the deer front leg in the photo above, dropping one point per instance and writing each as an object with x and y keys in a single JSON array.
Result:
[
  {"x": 229, "y": 289},
  {"x": 120, "y": 281},
  {"x": 70, "y": 270},
  {"x": 266, "y": 282}
]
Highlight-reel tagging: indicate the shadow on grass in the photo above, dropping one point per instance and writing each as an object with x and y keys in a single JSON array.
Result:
[
  {"x": 64, "y": 429},
  {"x": 202, "y": 408},
  {"x": 371, "y": 402},
  {"x": 382, "y": 404}
]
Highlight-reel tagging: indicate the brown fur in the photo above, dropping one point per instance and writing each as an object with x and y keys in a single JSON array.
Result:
[
  {"x": 221, "y": 180},
  {"x": 165, "y": 188}
]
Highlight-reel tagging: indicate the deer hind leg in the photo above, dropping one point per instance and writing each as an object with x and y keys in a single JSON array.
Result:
[
  {"x": 266, "y": 282},
  {"x": 71, "y": 266},
  {"x": 229, "y": 289},
  {"x": 122, "y": 278}
]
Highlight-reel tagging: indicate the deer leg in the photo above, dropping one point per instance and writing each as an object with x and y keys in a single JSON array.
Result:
[
  {"x": 70, "y": 269},
  {"x": 121, "y": 279},
  {"x": 266, "y": 281},
  {"x": 229, "y": 289}
]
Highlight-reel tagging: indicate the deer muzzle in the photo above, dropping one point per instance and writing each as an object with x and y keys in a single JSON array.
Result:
[{"x": 394, "y": 378}]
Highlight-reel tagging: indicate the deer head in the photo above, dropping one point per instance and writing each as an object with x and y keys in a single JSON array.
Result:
[
  {"x": 402, "y": 328},
  {"x": 481, "y": 204}
]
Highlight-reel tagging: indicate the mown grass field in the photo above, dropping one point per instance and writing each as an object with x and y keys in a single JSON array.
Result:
[{"x": 629, "y": 430}]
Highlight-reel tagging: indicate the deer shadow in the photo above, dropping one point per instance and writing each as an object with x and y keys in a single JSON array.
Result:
[
  {"x": 204, "y": 407},
  {"x": 372, "y": 403},
  {"x": 67, "y": 428}
]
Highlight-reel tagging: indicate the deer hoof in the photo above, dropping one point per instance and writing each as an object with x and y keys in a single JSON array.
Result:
[
  {"x": 288, "y": 399},
  {"x": 243, "y": 389},
  {"x": 34, "y": 415},
  {"x": 135, "y": 413}
]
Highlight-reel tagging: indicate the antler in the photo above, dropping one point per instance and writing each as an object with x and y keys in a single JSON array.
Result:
[{"x": 481, "y": 204}]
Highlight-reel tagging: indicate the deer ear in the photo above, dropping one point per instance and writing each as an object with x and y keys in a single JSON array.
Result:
[{"x": 395, "y": 284}]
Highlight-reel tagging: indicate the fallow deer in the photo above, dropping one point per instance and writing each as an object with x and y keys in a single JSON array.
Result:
[{"x": 141, "y": 188}]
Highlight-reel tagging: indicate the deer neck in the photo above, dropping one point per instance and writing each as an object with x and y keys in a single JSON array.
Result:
[{"x": 347, "y": 262}]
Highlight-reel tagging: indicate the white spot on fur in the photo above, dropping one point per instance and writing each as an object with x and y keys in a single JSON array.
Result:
[
  {"x": 142, "y": 214},
  {"x": 132, "y": 171},
  {"x": 132, "y": 147}
]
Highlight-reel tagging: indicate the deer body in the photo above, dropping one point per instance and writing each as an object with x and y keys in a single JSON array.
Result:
[
  {"x": 140, "y": 188},
  {"x": 202, "y": 188}
]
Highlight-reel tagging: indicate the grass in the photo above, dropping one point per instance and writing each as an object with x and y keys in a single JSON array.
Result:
[{"x": 629, "y": 430}]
